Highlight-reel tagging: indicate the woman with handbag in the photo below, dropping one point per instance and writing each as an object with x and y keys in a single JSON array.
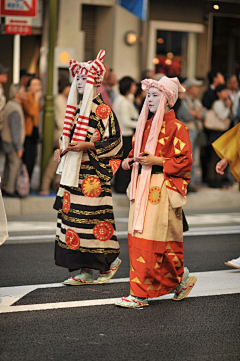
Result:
[{"x": 217, "y": 121}]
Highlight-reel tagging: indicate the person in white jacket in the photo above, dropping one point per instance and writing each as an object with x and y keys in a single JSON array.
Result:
[
  {"x": 127, "y": 116},
  {"x": 222, "y": 108},
  {"x": 60, "y": 103}
]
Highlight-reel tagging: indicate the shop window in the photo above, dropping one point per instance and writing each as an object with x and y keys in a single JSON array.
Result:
[
  {"x": 226, "y": 45},
  {"x": 171, "y": 53}
]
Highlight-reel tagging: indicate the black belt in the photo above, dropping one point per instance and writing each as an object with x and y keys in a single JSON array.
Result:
[{"x": 156, "y": 169}]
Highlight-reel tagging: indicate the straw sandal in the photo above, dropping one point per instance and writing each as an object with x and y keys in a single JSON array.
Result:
[
  {"x": 185, "y": 286},
  {"x": 105, "y": 277},
  {"x": 84, "y": 278},
  {"x": 132, "y": 302}
]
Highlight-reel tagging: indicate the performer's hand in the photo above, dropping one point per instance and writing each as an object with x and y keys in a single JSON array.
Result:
[
  {"x": 125, "y": 163},
  {"x": 221, "y": 165},
  {"x": 56, "y": 155},
  {"x": 95, "y": 137},
  {"x": 149, "y": 160},
  {"x": 76, "y": 146},
  {"x": 20, "y": 153},
  {"x": 80, "y": 146}
]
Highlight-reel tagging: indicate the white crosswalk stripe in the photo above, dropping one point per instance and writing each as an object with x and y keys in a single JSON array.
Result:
[{"x": 208, "y": 284}]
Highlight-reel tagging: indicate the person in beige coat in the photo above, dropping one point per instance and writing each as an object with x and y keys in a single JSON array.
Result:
[
  {"x": 13, "y": 135},
  {"x": 60, "y": 103}
]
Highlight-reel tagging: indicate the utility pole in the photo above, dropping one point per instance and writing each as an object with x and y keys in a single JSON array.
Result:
[{"x": 48, "y": 118}]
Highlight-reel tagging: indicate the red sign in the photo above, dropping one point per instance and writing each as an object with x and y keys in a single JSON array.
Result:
[
  {"x": 18, "y": 29},
  {"x": 26, "y": 8},
  {"x": 17, "y": 25}
]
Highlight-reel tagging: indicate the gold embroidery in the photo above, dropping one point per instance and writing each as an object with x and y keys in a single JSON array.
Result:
[
  {"x": 99, "y": 127},
  {"x": 89, "y": 213},
  {"x": 112, "y": 124},
  {"x": 89, "y": 250},
  {"x": 108, "y": 168},
  {"x": 109, "y": 147},
  {"x": 98, "y": 99},
  {"x": 107, "y": 190},
  {"x": 83, "y": 221},
  {"x": 82, "y": 176},
  {"x": 102, "y": 176},
  {"x": 88, "y": 167}
]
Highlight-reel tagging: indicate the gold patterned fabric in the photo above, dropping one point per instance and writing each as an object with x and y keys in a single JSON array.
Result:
[
  {"x": 228, "y": 147},
  {"x": 86, "y": 233}
]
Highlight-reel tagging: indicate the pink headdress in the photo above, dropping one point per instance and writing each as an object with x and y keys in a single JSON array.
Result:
[{"x": 169, "y": 88}]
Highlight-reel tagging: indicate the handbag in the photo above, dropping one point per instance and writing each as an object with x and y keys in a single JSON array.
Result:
[
  {"x": 212, "y": 122},
  {"x": 22, "y": 181},
  {"x": 35, "y": 134}
]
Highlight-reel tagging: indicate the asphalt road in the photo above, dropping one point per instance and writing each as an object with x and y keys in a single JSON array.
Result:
[
  {"x": 27, "y": 264},
  {"x": 196, "y": 329}
]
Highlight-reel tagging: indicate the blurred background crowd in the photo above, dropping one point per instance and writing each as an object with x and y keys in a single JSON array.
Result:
[
  {"x": 21, "y": 117},
  {"x": 177, "y": 38}
]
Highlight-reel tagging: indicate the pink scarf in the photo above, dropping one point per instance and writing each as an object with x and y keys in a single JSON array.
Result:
[{"x": 169, "y": 88}]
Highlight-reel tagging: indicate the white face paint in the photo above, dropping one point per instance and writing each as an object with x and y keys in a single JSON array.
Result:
[
  {"x": 81, "y": 82},
  {"x": 153, "y": 99}
]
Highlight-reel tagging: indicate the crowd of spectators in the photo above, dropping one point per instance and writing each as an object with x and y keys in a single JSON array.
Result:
[{"x": 19, "y": 122}]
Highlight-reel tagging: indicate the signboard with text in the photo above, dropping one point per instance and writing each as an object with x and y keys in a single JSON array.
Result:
[
  {"x": 27, "y": 8},
  {"x": 18, "y": 25}
]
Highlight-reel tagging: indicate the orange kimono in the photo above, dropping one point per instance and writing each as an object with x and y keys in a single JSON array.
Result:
[{"x": 156, "y": 255}]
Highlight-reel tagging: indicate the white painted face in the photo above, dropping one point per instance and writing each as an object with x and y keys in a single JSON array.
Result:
[
  {"x": 81, "y": 82},
  {"x": 153, "y": 99}
]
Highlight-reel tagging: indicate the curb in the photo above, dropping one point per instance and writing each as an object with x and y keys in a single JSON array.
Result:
[{"x": 204, "y": 199}]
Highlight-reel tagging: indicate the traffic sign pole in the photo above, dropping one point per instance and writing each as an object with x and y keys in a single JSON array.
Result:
[
  {"x": 48, "y": 118},
  {"x": 16, "y": 58}
]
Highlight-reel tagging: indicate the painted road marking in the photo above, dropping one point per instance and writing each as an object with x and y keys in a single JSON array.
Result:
[{"x": 208, "y": 284}]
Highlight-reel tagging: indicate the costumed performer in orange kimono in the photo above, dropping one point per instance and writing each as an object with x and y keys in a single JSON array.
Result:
[
  {"x": 227, "y": 148},
  {"x": 162, "y": 157}
]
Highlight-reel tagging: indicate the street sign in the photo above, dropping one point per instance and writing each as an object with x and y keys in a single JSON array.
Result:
[
  {"x": 27, "y": 8},
  {"x": 18, "y": 25}
]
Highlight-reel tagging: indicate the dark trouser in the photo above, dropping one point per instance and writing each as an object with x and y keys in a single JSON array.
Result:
[
  {"x": 123, "y": 177},
  {"x": 29, "y": 155}
]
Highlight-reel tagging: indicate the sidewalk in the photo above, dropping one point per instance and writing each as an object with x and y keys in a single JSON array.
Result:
[{"x": 205, "y": 199}]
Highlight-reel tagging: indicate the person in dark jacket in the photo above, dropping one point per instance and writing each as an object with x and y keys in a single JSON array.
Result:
[{"x": 215, "y": 78}]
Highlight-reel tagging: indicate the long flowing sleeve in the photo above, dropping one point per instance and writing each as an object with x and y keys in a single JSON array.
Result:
[
  {"x": 228, "y": 146},
  {"x": 106, "y": 158},
  {"x": 177, "y": 158}
]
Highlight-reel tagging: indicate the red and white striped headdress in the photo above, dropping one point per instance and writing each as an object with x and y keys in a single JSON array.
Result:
[{"x": 94, "y": 70}]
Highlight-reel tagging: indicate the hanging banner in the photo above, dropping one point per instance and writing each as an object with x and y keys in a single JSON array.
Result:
[
  {"x": 26, "y": 8},
  {"x": 136, "y": 7}
]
